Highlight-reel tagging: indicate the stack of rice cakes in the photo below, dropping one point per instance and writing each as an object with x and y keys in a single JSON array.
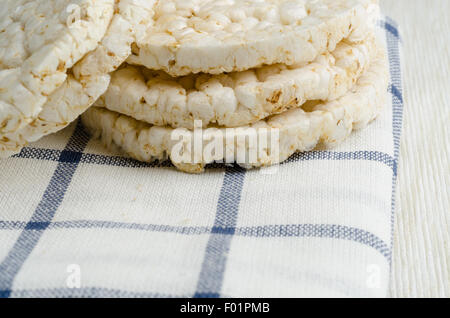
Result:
[
  {"x": 312, "y": 70},
  {"x": 303, "y": 71}
]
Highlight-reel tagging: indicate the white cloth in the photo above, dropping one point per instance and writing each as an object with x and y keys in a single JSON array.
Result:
[{"x": 78, "y": 221}]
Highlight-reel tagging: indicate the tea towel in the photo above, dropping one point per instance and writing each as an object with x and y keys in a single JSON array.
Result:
[{"x": 78, "y": 221}]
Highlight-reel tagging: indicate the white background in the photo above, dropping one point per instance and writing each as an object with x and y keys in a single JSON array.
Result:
[{"x": 422, "y": 246}]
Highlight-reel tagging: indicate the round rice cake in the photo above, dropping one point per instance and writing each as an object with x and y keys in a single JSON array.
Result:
[
  {"x": 217, "y": 36},
  {"x": 83, "y": 83},
  {"x": 235, "y": 99},
  {"x": 40, "y": 41},
  {"x": 295, "y": 130}
]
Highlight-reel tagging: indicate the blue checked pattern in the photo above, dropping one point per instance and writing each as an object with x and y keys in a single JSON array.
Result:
[{"x": 220, "y": 234}]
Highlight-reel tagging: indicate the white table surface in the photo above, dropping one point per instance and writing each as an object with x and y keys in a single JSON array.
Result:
[{"x": 421, "y": 261}]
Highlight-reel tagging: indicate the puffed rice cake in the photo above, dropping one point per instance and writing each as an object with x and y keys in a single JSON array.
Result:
[
  {"x": 239, "y": 98},
  {"x": 217, "y": 36},
  {"x": 300, "y": 129},
  {"x": 64, "y": 52}
]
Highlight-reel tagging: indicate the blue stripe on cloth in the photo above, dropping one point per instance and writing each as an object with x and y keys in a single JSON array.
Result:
[
  {"x": 318, "y": 230},
  {"x": 391, "y": 28},
  {"x": 396, "y": 92},
  {"x": 393, "y": 47},
  {"x": 290, "y": 230},
  {"x": 86, "y": 158},
  {"x": 53, "y": 196},
  {"x": 213, "y": 267},
  {"x": 39, "y": 154},
  {"x": 376, "y": 156}
]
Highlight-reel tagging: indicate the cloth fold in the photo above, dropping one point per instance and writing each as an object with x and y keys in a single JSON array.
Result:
[{"x": 78, "y": 221}]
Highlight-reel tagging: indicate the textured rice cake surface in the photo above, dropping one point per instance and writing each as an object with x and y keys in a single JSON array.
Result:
[
  {"x": 239, "y": 98},
  {"x": 40, "y": 40},
  {"x": 217, "y": 36},
  {"x": 294, "y": 130},
  {"x": 85, "y": 82}
]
